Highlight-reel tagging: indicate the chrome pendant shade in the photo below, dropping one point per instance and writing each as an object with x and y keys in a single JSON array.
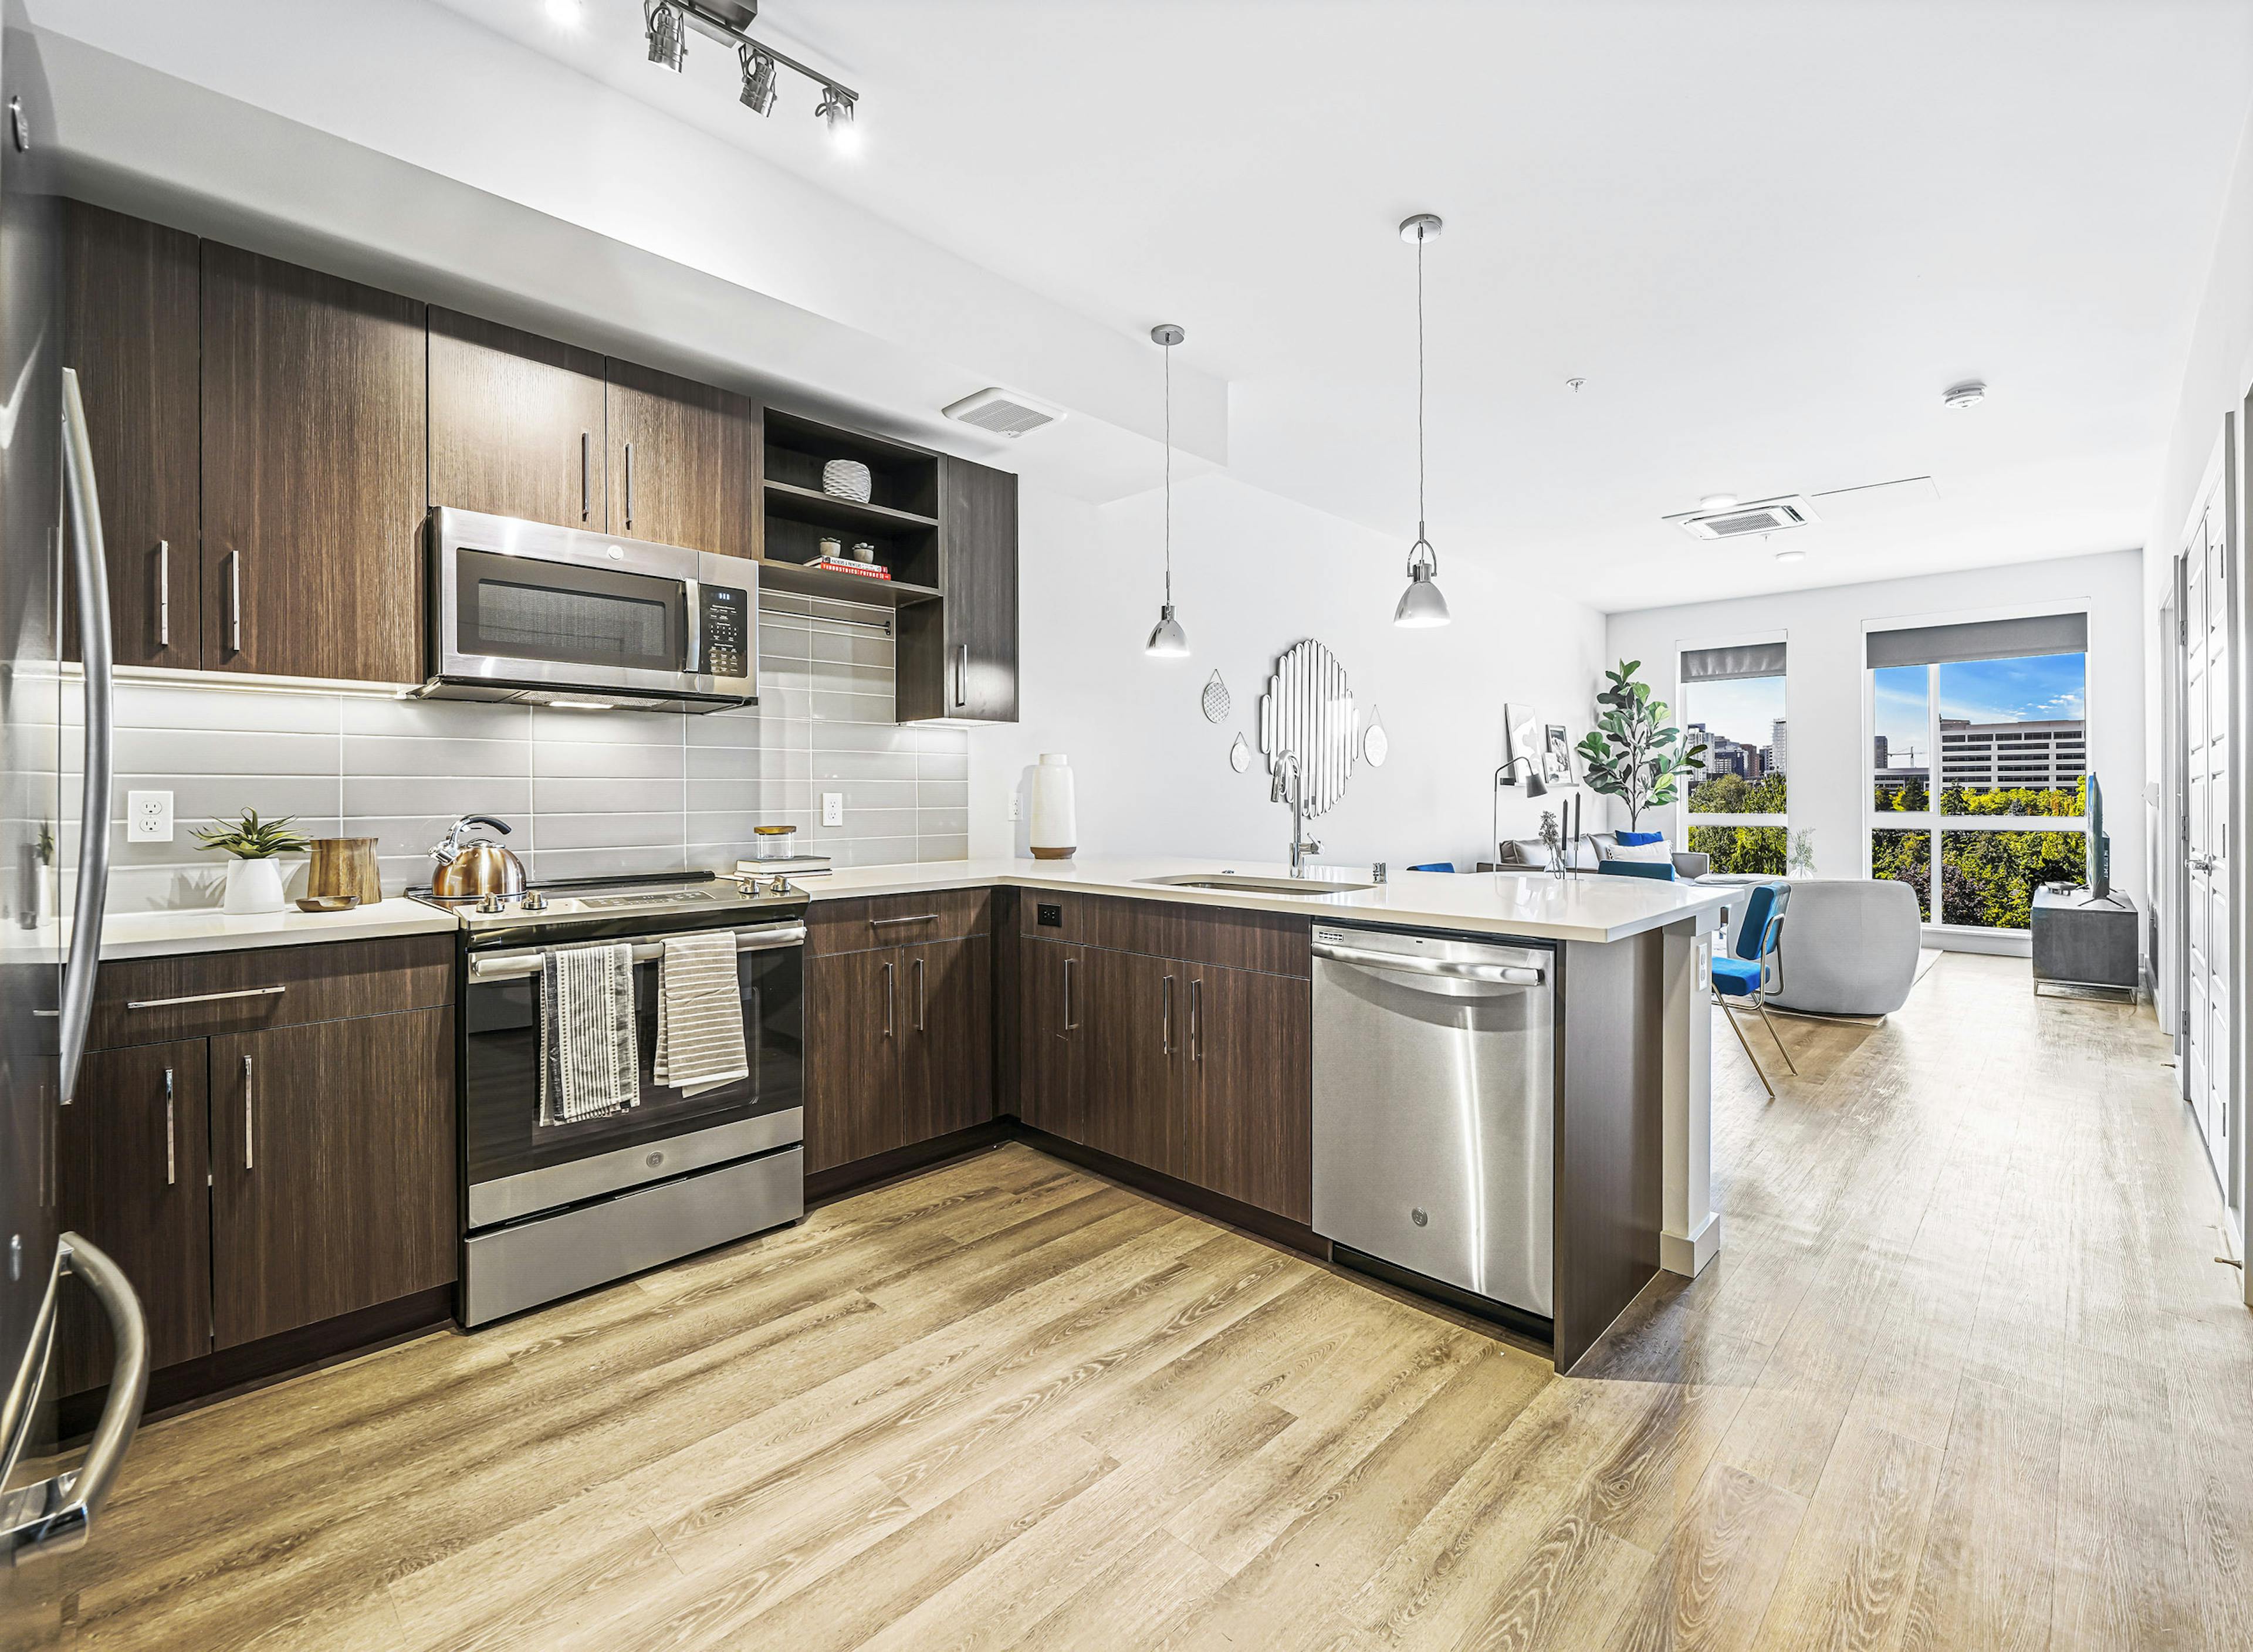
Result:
[
  {"x": 1421, "y": 604},
  {"x": 1168, "y": 639}
]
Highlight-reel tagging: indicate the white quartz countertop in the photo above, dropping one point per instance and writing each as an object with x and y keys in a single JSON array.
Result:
[
  {"x": 1589, "y": 907},
  {"x": 208, "y": 930}
]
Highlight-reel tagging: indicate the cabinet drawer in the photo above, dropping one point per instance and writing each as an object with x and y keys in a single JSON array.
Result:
[
  {"x": 1270, "y": 943},
  {"x": 856, "y": 924},
  {"x": 148, "y": 1001}
]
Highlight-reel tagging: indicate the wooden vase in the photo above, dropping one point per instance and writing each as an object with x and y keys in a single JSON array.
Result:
[{"x": 345, "y": 866}]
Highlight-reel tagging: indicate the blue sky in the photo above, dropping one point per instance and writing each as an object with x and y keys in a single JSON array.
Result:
[{"x": 2034, "y": 690}]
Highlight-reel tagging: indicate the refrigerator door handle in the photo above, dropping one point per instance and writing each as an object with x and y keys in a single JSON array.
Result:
[
  {"x": 90, "y": 569},
  {"x": 55, "y": 1516}
]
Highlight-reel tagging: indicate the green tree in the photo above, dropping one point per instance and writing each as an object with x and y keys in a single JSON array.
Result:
[{"x": 1632, "y": 753}]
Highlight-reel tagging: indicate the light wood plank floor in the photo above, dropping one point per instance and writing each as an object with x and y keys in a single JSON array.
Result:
[{"x": 1965, "y": 1375}]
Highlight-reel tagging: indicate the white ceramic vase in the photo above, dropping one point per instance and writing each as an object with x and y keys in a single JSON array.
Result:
[
  {"x": 253, "y": 886},
  {"x": 1056, "y": 821}
]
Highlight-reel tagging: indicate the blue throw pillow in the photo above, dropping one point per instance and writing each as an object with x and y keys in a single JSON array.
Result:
[{"x": 1633, "y": 838}]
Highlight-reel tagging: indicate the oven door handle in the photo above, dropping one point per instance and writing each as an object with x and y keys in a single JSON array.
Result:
[{"x": 500, "y": 966}]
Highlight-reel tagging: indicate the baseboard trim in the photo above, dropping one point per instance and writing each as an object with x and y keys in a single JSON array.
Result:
[
  {"x": 1293, "y": 1235},
  {"x": 1689, "y": 1255},
  {"x": 838, "y": 1181}
]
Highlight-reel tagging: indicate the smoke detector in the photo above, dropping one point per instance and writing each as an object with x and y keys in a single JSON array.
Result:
[
  {"x": 1735, "y": 521},
  {"x": 1003, "y": 412},
  {"x": 1970, "y": 393}
]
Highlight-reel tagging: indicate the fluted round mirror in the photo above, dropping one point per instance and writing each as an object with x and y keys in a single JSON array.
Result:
[{"x": 1309, "y": 709}]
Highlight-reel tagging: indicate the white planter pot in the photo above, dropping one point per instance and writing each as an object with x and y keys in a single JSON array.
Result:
[
  {"x": 1056, "y": 820},
  {"x": 253, "y": 886}
]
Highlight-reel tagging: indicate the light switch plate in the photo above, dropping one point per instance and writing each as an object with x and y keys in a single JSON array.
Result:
[
  {"x": 147, "y": 817},
  {"x": 832, "y": 808}
]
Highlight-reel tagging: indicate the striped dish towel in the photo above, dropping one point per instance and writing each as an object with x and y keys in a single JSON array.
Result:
[
  {"x": 588, "y": 1065},
  {"x": 700, "y": 1014}
]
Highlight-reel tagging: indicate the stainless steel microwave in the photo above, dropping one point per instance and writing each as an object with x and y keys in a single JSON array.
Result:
[{"x": 555, "y": 615}]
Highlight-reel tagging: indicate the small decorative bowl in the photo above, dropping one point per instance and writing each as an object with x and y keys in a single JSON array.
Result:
[
  {"x": 327, "y": 903},
  {"x": 847, "y": 479}
]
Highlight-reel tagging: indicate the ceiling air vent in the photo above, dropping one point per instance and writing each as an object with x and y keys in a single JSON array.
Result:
[
  {"x": 1762, "y": 516},
  {"x": 1003, "y": 412}
]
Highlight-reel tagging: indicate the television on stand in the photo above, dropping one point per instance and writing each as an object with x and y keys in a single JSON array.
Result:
[{"x": 2099, "y": 872}]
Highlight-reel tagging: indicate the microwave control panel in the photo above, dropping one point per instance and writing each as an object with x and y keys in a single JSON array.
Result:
[{"x": 726, "y": 623}]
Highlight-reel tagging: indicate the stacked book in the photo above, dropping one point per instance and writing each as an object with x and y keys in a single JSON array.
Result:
[{"x": 850, "y": 565}]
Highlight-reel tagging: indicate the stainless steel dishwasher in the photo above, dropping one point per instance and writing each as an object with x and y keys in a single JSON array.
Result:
[{"x": 1434, "y": 1069}]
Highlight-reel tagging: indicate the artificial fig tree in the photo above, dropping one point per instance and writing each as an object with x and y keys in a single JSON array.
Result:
[{"x": 1632, "y": 753}]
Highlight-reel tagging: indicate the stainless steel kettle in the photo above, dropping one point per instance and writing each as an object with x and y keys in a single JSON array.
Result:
[{"x": 476, "y": 867}]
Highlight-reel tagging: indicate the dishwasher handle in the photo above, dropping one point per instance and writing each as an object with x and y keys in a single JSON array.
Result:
[{"x": 1494, "y": 975}]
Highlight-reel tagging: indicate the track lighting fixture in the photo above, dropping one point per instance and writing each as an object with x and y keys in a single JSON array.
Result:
[{"x": 667, "y": 22}]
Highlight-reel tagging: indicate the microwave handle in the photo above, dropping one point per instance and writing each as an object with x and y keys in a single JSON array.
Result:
[{"x": 693, "y": 591}]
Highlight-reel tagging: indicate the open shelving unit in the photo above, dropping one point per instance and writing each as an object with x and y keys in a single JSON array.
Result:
[{"x": 900, "y": 519}]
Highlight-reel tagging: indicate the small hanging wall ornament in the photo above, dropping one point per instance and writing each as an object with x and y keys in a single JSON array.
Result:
[
  {"x": 1240, "y": 756},
  {"x": 1374, "y": 742},
  {"x": 1215, "y": 700}
]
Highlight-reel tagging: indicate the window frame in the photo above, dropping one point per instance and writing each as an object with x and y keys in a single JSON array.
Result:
[{"x": 1683, "y": 821}]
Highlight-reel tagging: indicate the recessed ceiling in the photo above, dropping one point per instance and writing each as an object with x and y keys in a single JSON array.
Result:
[{"x": 1766, "y": 236}]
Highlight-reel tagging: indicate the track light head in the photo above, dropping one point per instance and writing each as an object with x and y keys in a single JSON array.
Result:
[
  {"x": 836, "y": 107},
  {"x": 758, "y": 80},
  {"x": 668, "y": 43}
]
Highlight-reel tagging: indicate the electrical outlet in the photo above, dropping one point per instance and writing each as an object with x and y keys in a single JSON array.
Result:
[
  {"x": 1016, "y": 806},
  {"x": 147, "y": 817},
  {"x": 832, "y": 808}
]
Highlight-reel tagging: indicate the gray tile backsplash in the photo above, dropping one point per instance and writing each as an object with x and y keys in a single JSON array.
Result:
[{"x": 587, "y": 792}]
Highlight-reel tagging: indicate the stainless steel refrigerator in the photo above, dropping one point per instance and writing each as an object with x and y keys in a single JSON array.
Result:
[{"x": 50, "y": 573}]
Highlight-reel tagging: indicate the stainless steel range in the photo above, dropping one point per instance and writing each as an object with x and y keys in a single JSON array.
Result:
[{"x": 548, "y": 1209}]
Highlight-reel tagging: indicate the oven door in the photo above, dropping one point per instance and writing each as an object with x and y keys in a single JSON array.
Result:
[{"x": 516, "y": 1166}]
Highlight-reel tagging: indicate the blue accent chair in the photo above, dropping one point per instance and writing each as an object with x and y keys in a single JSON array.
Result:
[
  {"x": 1434, "y": 865},
  {"x": 1757, "y": 969},
  {"x": 1662, "y": 870}
]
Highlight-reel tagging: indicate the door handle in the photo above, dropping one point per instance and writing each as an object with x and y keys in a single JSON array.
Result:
[
  {"x": 249, "y": 1118},
  {"x": 169, "y": 1168},
  {"x": 629, "y": 487},
  {"x": 920, "y": 917},
  {"x": 1069, "y": 1025},
  {"x": 204, "y": 997},
  {"x": 163, "y": 594},
  {"x": 90, "y": 571},
  {"x": 1196, "y": 1020},
  {"x": 1166, "y": 1017},
  {"x": 586, "y": 475},
  {"x": 962, "y": 673},
  {"x": 887, "y": 1000},
  {"x": 920, "y": 1020},
  {"x": 234, "y": 601},
  {"x": 54, "y": 1517}
]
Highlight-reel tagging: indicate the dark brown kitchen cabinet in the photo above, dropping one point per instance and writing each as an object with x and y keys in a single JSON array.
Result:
[
  {"x": 333, "y": 1169},
  {"x": 684, "y": 461},
  {"x": 899, "y": 1047},
  {"x": 958, "y": 657},
  {"x": 129, "y": 327},
  {"x": 131, "y": 1162},
  {"x": 516, "y": 424},
  {"x": 1101, "y": 1064},
  {"x": 1246, "y": 1096},
  {"x": 315, "y": 472}
]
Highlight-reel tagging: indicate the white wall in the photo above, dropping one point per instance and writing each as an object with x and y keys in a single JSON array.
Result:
[
  {"x": 1825, "y": 677},
  {"x": 1252, "y": 575}
]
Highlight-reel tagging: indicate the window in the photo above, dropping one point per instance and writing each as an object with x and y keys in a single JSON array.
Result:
[
  {"x": 1732, "y": 699},
  {"x": 1979, "y": 731}
]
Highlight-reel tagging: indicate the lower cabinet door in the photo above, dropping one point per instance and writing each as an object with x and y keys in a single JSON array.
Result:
[
  {"x": 1050, "y": 993},
  {"x": 333, "y": 1169},
  {"x": 945, "y": 1036},
  {"x": 1132, "y": 1025},
  {"x": 854, "y": 1027},
  {"x": 1247, "y": 1126},
  {"x": 130, "y": 1164}
]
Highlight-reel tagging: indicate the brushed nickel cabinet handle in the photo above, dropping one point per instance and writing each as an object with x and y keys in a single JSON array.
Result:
[
  {"x": 249, "y": 1119},
  {"x": 629, "y": 487},
  {"x": 163, "y": 594},
  {"x": 234, "y": 601},
  {"x": 204, "y": 997},
  {"x": 1166, "y": 1017},
  {"x": 888, "y": 1000},
  {"x": 920, "y": 917},
  {"x": 919, "y": 997},
  {"x": 1196, "y": 1020},
  {"x": 1069, "y": 1025},
  {"x": 169, "y": 1167},
  {"x": 962, "y": 673},
  {"x": 586, "y": 475}
]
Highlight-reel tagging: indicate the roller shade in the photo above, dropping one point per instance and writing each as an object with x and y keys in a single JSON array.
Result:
[
  {"x": 1727, "y": 664},
  {"x": 1979, "y": 639}
]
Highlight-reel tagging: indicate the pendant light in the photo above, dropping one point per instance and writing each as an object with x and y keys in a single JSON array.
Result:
[
  {"x": 1168, "y": 639},
  {"x": 1421, "y": 604}
]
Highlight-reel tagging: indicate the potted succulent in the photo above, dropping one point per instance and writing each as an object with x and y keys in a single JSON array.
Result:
[{"x": 254, "y": 880}]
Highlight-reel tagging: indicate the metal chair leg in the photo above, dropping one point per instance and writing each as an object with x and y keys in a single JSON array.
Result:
[
  {"x": 1730, "y": 1016},
  {"x": 1772, "y": 1033}
]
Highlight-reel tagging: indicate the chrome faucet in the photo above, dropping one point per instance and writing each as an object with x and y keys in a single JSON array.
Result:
[{"x": 1295, "y": 795}]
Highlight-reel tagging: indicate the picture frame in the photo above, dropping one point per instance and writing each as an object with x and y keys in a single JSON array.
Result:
[
  {"x": 1521, "y": 737},
  {"x": 1557, "y": 757}
]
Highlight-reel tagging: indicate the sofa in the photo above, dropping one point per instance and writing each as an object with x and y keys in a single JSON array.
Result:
[
  {"x": 1519, "y": 854},
  {"x": 1850, "y": 945}
]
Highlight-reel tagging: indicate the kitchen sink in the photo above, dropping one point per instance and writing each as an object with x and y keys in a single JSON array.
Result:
[{"x": 1257, "y": 885}]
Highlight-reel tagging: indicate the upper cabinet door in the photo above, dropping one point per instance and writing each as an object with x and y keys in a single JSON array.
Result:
[
  {"x": 961, "y": 661},
  {"x": 684, "y": 462},
  {"x": 129, "y": 319},
  {"x": 516, "y": 424},
  {"x": 315, "y": 472}
]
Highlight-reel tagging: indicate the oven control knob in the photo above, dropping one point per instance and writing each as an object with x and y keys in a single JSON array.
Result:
[
  {"x": 489, "y": 901},
  {"x": 534, "y": 901}
]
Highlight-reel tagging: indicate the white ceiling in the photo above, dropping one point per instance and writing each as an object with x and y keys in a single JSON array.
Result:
[{"x": 1767, "y": 235}]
